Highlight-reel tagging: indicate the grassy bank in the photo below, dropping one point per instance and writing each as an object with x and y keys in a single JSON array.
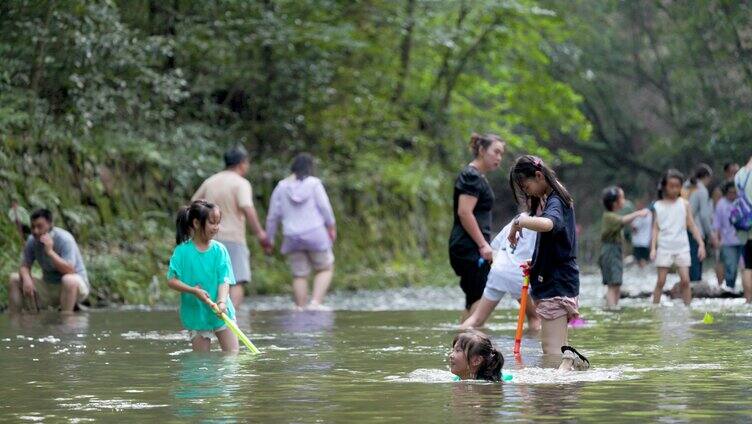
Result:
[
  {"x": 112, "y": 113},
  {"x": 118, "y": 194}
]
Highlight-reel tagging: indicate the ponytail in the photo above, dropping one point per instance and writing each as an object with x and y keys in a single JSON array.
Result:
[
  {"x": 182, "y": 225},
  {"x": 198, "y": 210},
  {"x": 476, "y": 344},
  {"x": 525, "y": 167},
  {"x": 478, "y": 141},
  {"x": 490, "y": 368}
]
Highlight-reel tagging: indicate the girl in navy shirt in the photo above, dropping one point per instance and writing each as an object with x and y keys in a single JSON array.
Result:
[{"x": 554, "y": 276}]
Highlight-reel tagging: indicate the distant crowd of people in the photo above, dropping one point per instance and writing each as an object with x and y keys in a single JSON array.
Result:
[{"x": 680, "y": 227}]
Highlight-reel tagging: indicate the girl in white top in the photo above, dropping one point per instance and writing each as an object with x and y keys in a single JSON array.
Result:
[
  {"x": 670, "y": 243},
  {"x": 505, "y": 277}
]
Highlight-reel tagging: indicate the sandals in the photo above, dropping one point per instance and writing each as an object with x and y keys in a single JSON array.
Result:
[{"x": 580, "y": 362}]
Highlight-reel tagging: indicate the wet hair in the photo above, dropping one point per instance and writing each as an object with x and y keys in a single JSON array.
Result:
[
  {"x": 671, "y": 173},
  {"x": 302, "y": 166},
  {"x": 41, "y": 213},
  {"x": 235, "y": 156},
  {"x": 703, "y": 170},
  {"x": 199, "y": 209},
  {"x": 610, "y": 196},
  {"x": 727, "y": 186},
  {"x": 484, "y": 141},
  {"x": 524, "y": 168},
  {"x": 474, "y": 343}
]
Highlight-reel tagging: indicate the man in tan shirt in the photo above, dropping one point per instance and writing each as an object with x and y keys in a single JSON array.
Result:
[{"x": 233, "y": 194}]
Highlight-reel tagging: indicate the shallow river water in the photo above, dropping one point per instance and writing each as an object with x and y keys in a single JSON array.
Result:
[{"x": 379, "y": 357}]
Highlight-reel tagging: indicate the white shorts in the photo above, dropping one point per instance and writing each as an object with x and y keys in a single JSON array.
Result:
[
  {"x": 207, "y": 334},
  {"x": 664, "y": 259},
  {"x": 501, "y": 281}
]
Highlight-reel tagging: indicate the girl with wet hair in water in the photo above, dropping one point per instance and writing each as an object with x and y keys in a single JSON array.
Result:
[
  {"x": 200, "y": 270},
  {"x": 474, "y": 357}
]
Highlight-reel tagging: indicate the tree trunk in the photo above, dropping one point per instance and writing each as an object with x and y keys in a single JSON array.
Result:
[
  {"x": 444, "y": 69},
  {"x": 405, "y": 47},
  {"x": 465, "y": 57},
  {"x": 40, "y": 50},
  {"x": 740, "y": 51}
]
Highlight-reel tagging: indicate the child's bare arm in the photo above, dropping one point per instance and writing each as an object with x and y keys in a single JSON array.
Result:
[
  {"x": 654, "y": 239},
  {"x": 538, "y": 224},
  {"x": 180, "y": 286},
  {"x": 222, "y": 293},
  {"x": 626, "y": 219}
]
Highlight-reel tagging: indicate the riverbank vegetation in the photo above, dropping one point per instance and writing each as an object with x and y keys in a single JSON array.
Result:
[{"x": 112, "y": 113}]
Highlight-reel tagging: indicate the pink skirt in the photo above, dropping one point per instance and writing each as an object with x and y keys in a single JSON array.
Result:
[{"x": 557, "y": 307}]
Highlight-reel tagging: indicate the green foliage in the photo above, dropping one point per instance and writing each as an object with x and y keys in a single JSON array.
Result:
[
  {"x": 664, "y": 84},
  {"x": 112, "y": 112}
]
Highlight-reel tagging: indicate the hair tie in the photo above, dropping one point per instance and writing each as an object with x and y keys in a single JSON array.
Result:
[{"x": 537, "y": 162}]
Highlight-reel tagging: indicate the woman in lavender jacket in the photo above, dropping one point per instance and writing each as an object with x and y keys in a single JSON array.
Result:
[{"x": 300, "y": 203}]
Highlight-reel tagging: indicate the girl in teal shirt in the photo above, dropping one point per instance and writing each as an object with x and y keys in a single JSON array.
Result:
[{"x": 200, "y": 270}]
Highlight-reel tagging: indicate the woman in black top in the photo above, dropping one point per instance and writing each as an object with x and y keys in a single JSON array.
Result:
[{"x": 470, "y": 253}]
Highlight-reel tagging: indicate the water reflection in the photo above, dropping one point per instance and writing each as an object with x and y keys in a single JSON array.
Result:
[
  {"x": 476, "y": 402},
  {"x": 55, "y": 321},
  {"x": 207, "y": 385},
  {"x": 675, "y": 323},
  {"x": 306, "y": 322},
  {"x": 553, "y": 400},
  {"x": 355, "y": 367},
  {"x": 309, "y": 334},
  {"x": 479, "y": 402}
]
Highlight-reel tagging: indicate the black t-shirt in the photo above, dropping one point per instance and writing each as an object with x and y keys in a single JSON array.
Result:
[
  {"x": 554, "y": 271},
  {"x": 472, "y": 183}
]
